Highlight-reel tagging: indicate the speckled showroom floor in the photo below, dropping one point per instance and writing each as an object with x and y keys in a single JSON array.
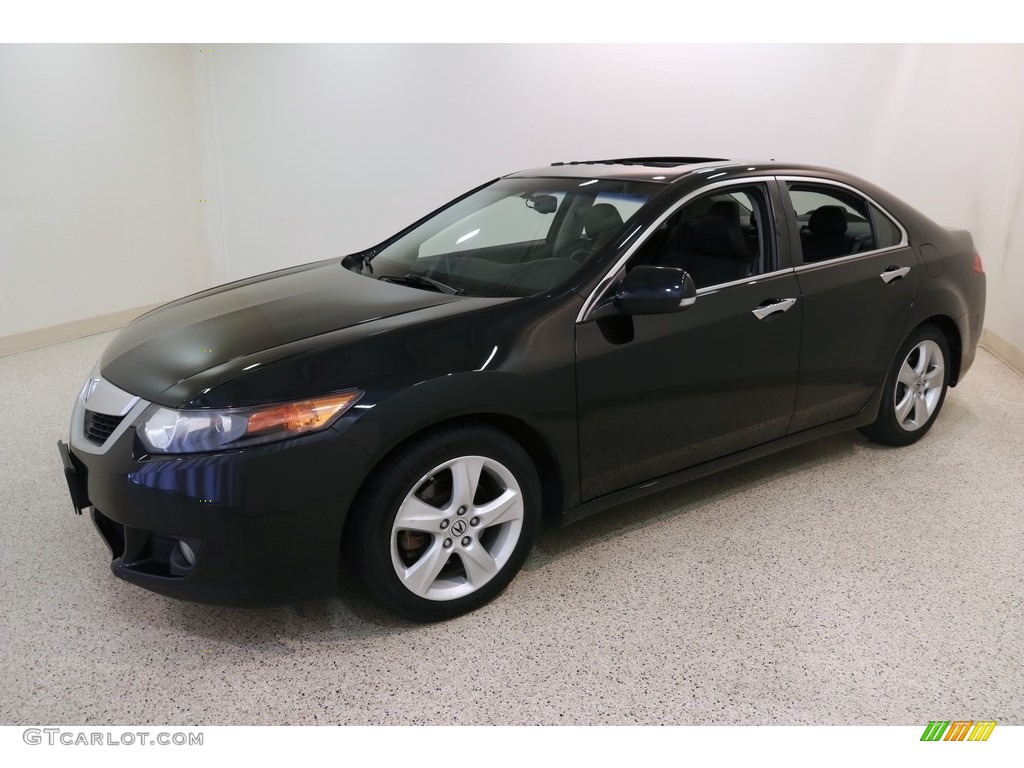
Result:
[{"x": 836, "y": 583}]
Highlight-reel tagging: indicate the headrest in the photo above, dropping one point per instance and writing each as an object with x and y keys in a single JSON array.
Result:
[
  {"x": 602, "y": 218},
  {"x": 828, "y": 220},
  {"x": 726, "y": 209},
  {"x": 714, "y": 236}
]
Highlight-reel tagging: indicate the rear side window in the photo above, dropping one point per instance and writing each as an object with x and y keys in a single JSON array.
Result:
[{"x": 834, "y": 222}]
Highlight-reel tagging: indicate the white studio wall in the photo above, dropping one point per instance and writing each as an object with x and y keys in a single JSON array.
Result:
[
  {"x": 1006, "y": 278},
  {"x": 99, "y": 174},
  {"x": 308, "y": 152}
]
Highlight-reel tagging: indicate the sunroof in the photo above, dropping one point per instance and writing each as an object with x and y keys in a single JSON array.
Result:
[{"x": 654, "y": 162}]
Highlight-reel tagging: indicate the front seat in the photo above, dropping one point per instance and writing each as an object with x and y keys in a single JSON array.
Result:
[
  {"x": 717, "y": 252},
  {"x": 728, "y": 210},
  {"x": 716, "y": 239},
  {"x": 601, "y": 222}
]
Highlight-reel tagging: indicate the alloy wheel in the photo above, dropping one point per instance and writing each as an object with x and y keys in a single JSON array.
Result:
[
  {"x": 457, "y": 528},
  {"x": 919, "y": 385}
]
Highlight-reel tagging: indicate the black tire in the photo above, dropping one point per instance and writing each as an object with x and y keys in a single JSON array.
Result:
[
  {"x": 911, "y": 404},
  {"x": 478, "y": 550}
]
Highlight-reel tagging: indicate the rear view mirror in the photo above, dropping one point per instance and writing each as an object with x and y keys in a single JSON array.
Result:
[
  {"x": 542, "y": 203},
  {"x": 648, "y": 290}
]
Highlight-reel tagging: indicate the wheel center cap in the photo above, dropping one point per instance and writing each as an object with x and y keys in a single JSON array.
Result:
[
  {"x": 459, "y": 527},
  {"x": 919, "y": 385}
]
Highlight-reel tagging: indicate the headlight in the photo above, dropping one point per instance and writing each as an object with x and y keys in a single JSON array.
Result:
[{"x": 164, "y": 430}]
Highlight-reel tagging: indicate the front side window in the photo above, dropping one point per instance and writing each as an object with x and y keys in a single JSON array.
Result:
[
  {"x": 717, "y": 238},
  {"x": 835, "y": 222},
  {"x": 515, "y": 237}
]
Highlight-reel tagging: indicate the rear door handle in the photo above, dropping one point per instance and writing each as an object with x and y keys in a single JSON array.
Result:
[
  {"x": 772, "y": 306},
  {"x": 894, "y": 273}
]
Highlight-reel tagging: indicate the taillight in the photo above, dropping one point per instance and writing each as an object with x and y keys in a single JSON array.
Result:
[{"x": 977, "y": 264}]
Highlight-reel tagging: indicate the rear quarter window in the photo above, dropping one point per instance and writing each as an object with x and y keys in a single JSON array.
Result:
[{"x": 887, "y": 234}]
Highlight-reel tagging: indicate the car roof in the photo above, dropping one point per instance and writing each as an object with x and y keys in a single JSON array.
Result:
[{"x": 665, "y": 170}]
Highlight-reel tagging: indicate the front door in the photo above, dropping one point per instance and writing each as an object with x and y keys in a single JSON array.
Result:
[{"x": 660, "y": 393}]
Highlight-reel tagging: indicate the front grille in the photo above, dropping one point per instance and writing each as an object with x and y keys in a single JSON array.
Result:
[{"x": 99, "y": 426}]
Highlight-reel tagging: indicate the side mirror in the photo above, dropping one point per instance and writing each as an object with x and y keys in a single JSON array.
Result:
[{"x": 648, "y": 290}]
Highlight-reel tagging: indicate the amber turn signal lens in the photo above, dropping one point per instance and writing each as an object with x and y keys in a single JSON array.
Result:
[{"x": 301, "y": 416}]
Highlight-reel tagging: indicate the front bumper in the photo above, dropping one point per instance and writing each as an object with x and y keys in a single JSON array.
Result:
[{"x": 261, "y": 525}]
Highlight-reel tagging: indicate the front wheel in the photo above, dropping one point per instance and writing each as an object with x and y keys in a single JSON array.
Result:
[
  {"x": 914, "y": 389},
  {"x": 444, "y": 525}
]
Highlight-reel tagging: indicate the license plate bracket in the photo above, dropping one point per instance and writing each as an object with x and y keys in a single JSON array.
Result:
[{"x": 75, "y": 476}]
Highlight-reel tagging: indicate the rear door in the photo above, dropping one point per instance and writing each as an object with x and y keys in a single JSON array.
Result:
[{"x": 857, "y": 276}]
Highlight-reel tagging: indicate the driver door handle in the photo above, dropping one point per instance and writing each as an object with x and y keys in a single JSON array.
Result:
[
  {"x": 772, "y": 306},
  {"x": 893, "y": 273}
]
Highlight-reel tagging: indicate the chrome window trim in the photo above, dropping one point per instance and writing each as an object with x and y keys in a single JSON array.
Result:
[
  {"x": 609, "y": 277},
  {"x": 708, "y": 289},
  {"x": 815, "y": 265},
  {"x": 904, "y": 236}
]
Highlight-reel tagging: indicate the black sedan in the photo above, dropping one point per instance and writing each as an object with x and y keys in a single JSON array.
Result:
[{"x": 548, "y": 345}]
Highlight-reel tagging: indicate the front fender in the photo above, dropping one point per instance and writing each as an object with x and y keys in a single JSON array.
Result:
[
  {"x": 546, "y": 406},
  {"x": 517, "y": 366}
]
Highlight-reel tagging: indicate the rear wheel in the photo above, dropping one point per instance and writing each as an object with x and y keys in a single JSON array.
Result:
[
  {"x": 914, "y": 389},
  {"x": 446, "y": 523}
]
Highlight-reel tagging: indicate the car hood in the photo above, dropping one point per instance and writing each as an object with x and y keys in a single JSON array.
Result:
[{"x": 210, "y": 329}]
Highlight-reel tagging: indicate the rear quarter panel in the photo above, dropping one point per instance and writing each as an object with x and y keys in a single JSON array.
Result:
[{"x": 950, "y": 288}]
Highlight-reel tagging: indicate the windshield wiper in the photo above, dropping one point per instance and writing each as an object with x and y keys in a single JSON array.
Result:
[{"x": 423, "y": 282}]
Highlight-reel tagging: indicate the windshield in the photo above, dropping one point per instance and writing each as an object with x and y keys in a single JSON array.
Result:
[{"x": 515, "y": 237}]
